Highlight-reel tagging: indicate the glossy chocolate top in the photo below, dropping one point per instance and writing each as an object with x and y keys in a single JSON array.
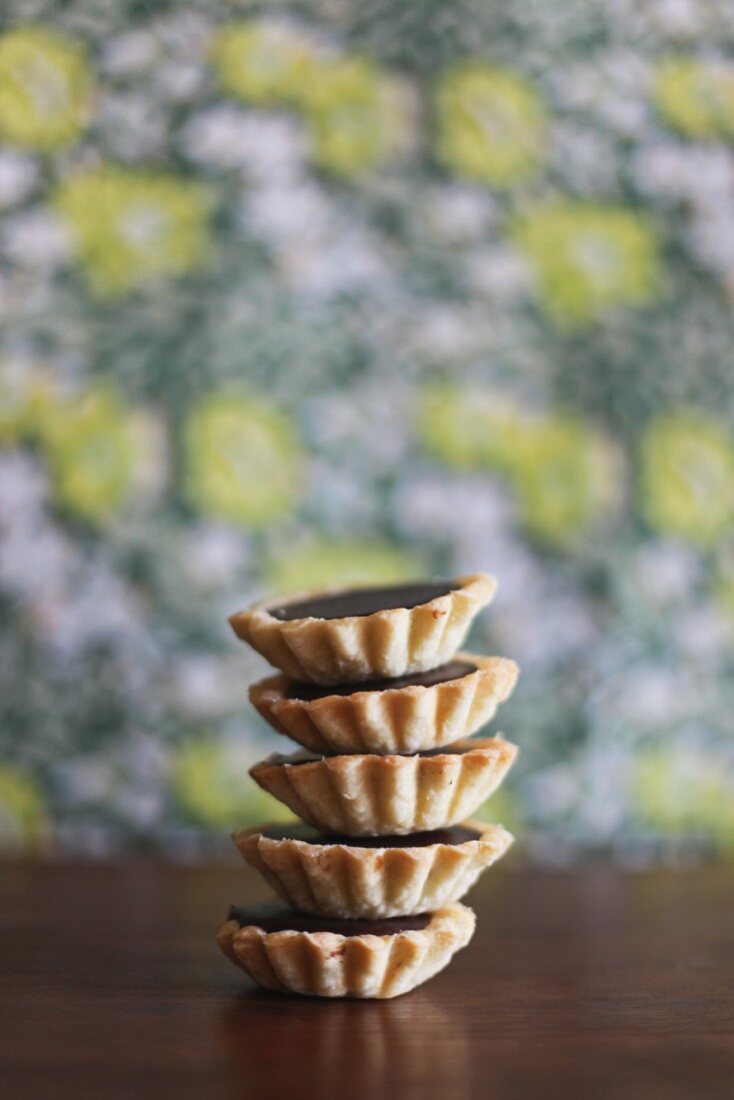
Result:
[
  {"x": 278, "y": 918},
  {"x": 456, "y": 834},
  {"x": 362, "y": 601},
  {"x": 454, "y": 670}
]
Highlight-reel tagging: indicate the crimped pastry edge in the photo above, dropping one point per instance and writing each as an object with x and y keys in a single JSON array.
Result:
[
  {"x": 388, "y": 643},
  {"x": 407, "y": 719},
  {"x": 326, "y": 964},
  {"x": 369, "y": 795},
  {"x": 339, "y": 880}
]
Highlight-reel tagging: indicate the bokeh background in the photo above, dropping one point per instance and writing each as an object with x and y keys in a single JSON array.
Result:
[{"x": 366, "y": 289}]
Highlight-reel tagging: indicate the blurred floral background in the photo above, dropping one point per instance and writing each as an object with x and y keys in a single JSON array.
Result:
[{"x": 312, "y": 292}]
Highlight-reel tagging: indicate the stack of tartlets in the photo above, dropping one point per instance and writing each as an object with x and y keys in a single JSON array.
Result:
[{"x": 373, "y": 688}]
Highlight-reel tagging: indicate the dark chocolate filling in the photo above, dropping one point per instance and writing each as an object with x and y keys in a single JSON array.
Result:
[
  {"x": 277, "y": 918},
  {"x": 447, "y": 750},
  {"x": 362, "y": 601},
  {"x": 454, "y": 670},
  {"x": 456, "y": 834}
]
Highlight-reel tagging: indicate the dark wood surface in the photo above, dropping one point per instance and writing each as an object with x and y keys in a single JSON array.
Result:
[{"x": 592, "y": 983}]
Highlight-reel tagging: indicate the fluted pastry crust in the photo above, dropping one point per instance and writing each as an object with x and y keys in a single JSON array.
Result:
[
  {"x": 404, "y": 719},
  {"x": 339, "y": 880},
  {"x": 383, "y": 795},
  {"x": 326, "y": 964},
  {"x": 388, "y": 643}
]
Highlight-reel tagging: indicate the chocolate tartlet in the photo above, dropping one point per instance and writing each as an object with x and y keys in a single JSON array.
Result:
[
  {"x": 372, "y": 684},
  {"x": 353, "y": 634},
  {"x": 369, "y": 876},
  {"x": 423, "y": 710},
  {"x": 370, "y": 795},
  {"x": 323, "y": 957}
]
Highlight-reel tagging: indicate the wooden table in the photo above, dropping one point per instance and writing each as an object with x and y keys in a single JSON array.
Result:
[{"x": 591, "y": 983}]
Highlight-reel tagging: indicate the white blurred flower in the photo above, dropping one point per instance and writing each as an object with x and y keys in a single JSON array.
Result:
[
  {"x": 207, "y": 686},
  {"x": 661, "y": 169},
  {"x": 212, "y": 556},
  {"x": 270, "y": 148},
  {"x": 184, "y": 33},
  {"x": 179, "y": 82},
  {"x": 703, "y": 634},
  {"x": 19, "y": 176},
  {"x": 35, "y": 557},
  {"x": 647, "y": 698},
  {"x": 498, "y": 273},
  {"x": 70, "y": 599},
  {"x": 677, "y": 18},
  {"x": 94, "y": 606},
  {"x": 24, "y": 488},
  {"x": 540, "y": 630},
  {"x": 346, "y": 260},
  {"x": 129, "y": 53},
  {"x": 472, "y": 511},
  {"x": 349, "y": 504},
  {"x": 140, "y": 809},
  {"x": 586, "y": 157},
  {"x": 701, "y": 175},
  {"x": 554, "y": 792},
  {"x": 85, "y": 779},
  {"x": 712, "y": 240},
  {"x": 34, "y": 562},
  {"x": 436, "y": 331},
  {"x": 26, "y": 293},
  {"x": 614, "y": 86},
  {"x": 296, "y": 214},
  {"x": 132, "y": 126},
  {"x": 664, "y": 572},
  {"x": 603, "y": 803},
  {"x": 36, "y": 239},
  {"x": 366, "y": 426},
  {"x": 460, "y": 215}
]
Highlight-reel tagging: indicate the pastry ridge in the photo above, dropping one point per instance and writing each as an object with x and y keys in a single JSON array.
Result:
[
  {"x": 326, "y": 964},
  {"x": 368, "y": 795},
  {"x": 351, "y": 882},
  {"x": 403, "y": 720},
  {"x": 387, "y": 643}
]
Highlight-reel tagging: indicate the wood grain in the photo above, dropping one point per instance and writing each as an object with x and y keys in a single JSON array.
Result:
[{"x": 590, "y": 983}]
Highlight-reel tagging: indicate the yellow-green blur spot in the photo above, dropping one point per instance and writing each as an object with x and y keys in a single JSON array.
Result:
[
  {"x": 695, "y": 97},
  {"x": 491, "y": 123},
  {"x": 722, "y": 582},
  {"x": 44, "y": 89},
  {"x": 677, "y": 794},
  {"x": 23, "y": 820},
  {"x": 565, "y": 475},
  {"x": 501, "y": 808},
  {"x": 89, "y": 442},
  {"x": 468, "y": 428},
  {"x": 210, "y": 782},
  {"x": 687, "y": 477},
  {"x": 129, "y": 227},
  {"x": 321, "y": 563},
  {"x": 566, "y": 478},
  {"x": 262, "y": 61},
  {"x": 356, "y": 116},
  {"x": 24, "y": 403},
  {"x": 588, "y": 259},
  {"x": 243, "y": 462}
]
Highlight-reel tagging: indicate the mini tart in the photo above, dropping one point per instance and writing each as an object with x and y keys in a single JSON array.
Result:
[
  {"x": 320, "y": 957},
  {"x": 374, "y": 877},
  {"x": 382, "y": 795},
  {"x": 410, "y": 714},
  {"x": 345, "y": 635}
]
